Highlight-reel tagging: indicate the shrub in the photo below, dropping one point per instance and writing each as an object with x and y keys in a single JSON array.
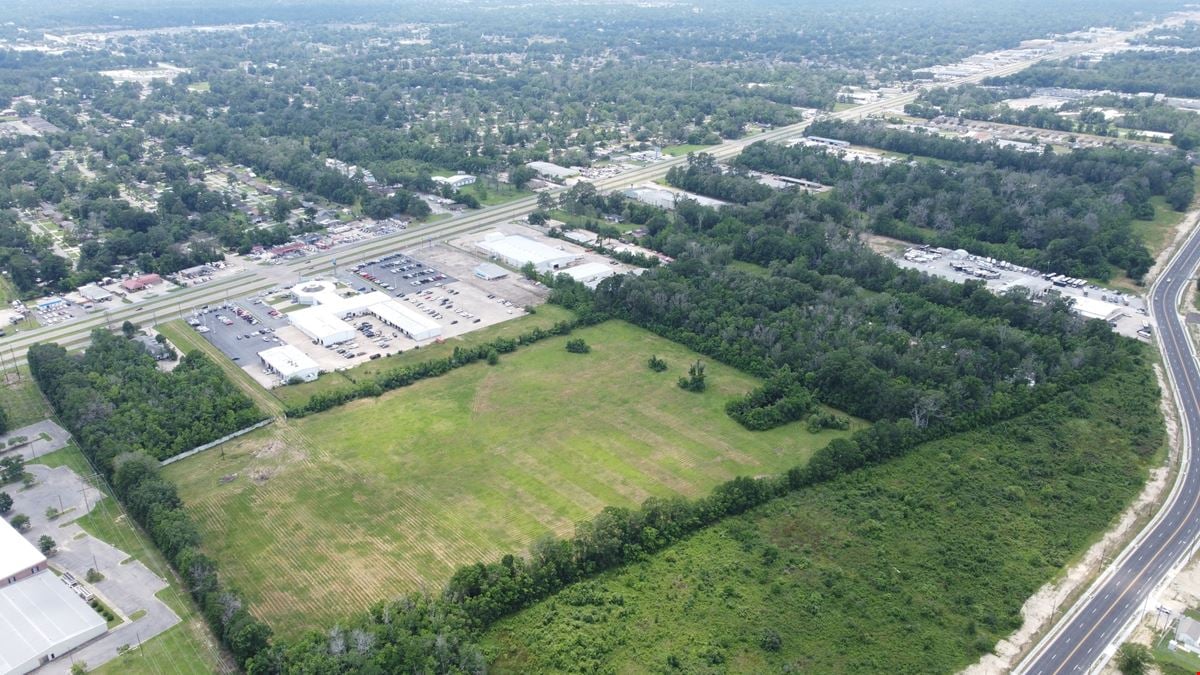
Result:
[
  {"x": 578, "y": 346},
  {"x": 656, "y": 364}
]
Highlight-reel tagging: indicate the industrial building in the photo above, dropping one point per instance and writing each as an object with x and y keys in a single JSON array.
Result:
[
  {"x": 289, "y": 363},
  {"x": 519, "y": 251},
  {"x": 41, "y": 619},
  {"x": 455, "y": 182},
  {"x": 324, "y": 321},
  {"x": 590, "y": 274},
  {"x": 553, "y": 171}
]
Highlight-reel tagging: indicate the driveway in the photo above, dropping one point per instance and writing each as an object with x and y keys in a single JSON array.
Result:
[
  {"x": 40, "y": 446},
  {"x": 128, "y": 585}
]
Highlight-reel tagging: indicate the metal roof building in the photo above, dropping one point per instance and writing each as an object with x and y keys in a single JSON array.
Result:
[
  {"x": 41, "y": 619},
  {"x": 1092, "y": 308},
  {"x": 590, "y": 274},
  {"x": 518, "y": 251},
  {"x": 490, "y": 272},
  {"x": 18, "y": 558},
  {"x": 289, "y": 362},
  {"x": 321, "y": 325},
  {"x": 551, "y": 170}
]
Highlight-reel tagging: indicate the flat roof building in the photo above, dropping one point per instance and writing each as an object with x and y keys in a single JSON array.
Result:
[
  {"x": 551, "y": 170},
  {"x": 289, "y": 363},
  {"x": 94, "y": 293},
  {"x": 321, "y": 326},
  {"x": 519, "y": 251},
  {"x": 324, "y": 322},
  {"x": 41, "y": 619}
]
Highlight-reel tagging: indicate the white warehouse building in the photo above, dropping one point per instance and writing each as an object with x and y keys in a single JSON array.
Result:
[
  {"x": 518, "y": 251},
  {"x": 289, "y": 363},
  {"x": 324, "y": 322},
  {"x": 590, "y": 274},
  {"x": 41, "y": 619},
  {"x": 457, "y": 181},
  {"x": 321, "y": 326}
]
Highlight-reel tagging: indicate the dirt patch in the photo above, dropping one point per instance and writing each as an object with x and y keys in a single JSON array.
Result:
[
  {"x": 1055, "y": 598},
  {"x": 269, "y": 450},
  {"x": 261, "y": 476}
]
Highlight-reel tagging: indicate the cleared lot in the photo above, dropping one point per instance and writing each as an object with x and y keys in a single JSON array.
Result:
[{"x": 326, "y": 514}]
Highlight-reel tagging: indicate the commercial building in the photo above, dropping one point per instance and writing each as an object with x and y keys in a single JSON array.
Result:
[
  {"x": 141, "y": 283},
  {"x": 41, "y": 619},
  {"x": 519, "y": 251},
  {"x": 289, "y": 363},
  {"x": 490, "y": 272},
  {"x": 324, "y": 322},
  {"x": 158, "y": 350},
  {"x": 590, "y": 274},
  {"x": 553, "y": 171},
  {"x": 93, "y": 293},
  {"x": 49, "y": 303},
  {"x": 321, "y": 326},
  {"x": 458, "y": 181}
]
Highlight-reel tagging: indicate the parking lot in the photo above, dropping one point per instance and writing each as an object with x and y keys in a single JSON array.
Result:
[
  {"x": 397, "y": 273},
  {"x": 240, "y": 329}
]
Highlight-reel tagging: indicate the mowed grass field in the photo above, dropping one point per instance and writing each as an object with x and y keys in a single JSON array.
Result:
[{"x": 317, "y": 518}]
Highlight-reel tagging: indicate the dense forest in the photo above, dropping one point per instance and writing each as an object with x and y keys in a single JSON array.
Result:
[{"x": 1067, "y": 213}]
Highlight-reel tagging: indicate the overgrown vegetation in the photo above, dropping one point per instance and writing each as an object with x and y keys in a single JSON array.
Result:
[{"x": 918, "y": 565}]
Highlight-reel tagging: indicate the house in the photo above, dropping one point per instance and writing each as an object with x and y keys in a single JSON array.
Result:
[
  {"x": 158, "y": 350},
  {"x": 140, "y": 283}
]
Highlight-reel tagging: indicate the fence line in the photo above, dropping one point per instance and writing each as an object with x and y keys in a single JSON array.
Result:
[{"x": 229, "y": 437}]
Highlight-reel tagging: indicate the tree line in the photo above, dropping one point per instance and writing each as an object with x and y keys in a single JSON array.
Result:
[{"x": 126, "y": 415}]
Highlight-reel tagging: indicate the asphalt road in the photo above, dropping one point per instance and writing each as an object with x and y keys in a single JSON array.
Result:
[{"x": 1088, "y": 631}]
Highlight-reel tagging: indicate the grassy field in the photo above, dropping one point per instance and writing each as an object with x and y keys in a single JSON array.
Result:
[
  {"x": 187, "y": 647},
  {"x": 916, "y": 566},
  {"x": 318, "y": 517},
  {"x": 491, "y": 195},
  {"x": 22, "y": 399},
  {"x": 680, "y": 150}
]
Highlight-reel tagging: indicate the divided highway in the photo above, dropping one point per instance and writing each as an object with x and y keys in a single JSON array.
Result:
[{"x": 1088, "y": 630}]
